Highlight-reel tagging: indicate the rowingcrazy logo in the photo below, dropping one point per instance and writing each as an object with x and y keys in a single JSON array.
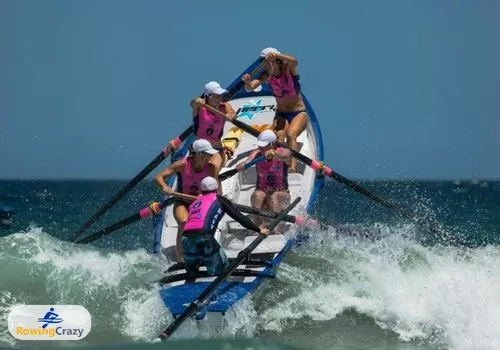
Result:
[{"x": 49, "y": 322}]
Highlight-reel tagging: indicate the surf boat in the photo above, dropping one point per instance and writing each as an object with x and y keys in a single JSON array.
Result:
[{"x": 257, "y": 109}]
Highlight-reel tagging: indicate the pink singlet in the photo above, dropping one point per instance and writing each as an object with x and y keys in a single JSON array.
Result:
[{"x": 189, "y": 180}]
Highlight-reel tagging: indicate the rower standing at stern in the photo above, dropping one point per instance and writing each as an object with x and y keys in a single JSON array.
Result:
[{"x": 283, "y": 78}]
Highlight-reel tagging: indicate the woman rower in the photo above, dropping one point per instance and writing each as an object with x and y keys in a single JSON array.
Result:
[
  {"x": 271, "y": 191},
  {"x": 283, "y": 78},
  {"x": 208, "y": 125},
  {"x": 190, "y": 171}
]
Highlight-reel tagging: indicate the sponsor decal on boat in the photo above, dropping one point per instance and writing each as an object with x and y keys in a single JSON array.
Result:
[{"x": 248, "y": 110}]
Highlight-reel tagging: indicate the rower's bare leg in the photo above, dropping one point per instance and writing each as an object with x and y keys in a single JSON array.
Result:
[
  {"x": 278, "y": 201},
  {"x": 180, "y": 215},
  {"x": 258, "y": 201},
  {"x": 280, "y": 126},
  {"x": 217, "y": 161},
  {"x": 295, "y": 128},
  {"x": 179, "y": 247}
]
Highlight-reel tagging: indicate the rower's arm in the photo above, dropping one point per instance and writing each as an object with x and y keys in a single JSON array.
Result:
[
  {"x": 175, "y": 167},
  {"x": 236, "y": 215},
  {"x": 253, "y": 84},
  {"x": 214, "y": 172},
  {"x": 230, "y": 113},
  {"x": 251, "y": 156},
  {"x": 288, "y": 58},
  {"x": 240, "y": 166},
  {"x": 196, "y": 103}
]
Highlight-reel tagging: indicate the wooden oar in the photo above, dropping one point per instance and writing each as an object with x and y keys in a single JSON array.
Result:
[
  {"x": 203, "y": 297},
  {"x": 175, "y": 143},
  {"x": 146, "y": 212},
  {"x": 319, "y": 166}
]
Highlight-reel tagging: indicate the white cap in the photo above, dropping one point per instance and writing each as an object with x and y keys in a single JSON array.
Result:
[
  {"x": 268, "y": 50},
  {"x": 209, "y": 184},
  {"x": 203, "y": 145},
  {"x": 265, "y": 138},
  {"x": 213, "y": 87}
]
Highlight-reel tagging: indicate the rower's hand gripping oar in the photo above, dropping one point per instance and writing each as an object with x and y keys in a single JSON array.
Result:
[
  {"x": 242, "y": 256},
  {"x": 155, "y": 208},
  {"x": 319, "y": 166},
  {"x": 172, "y": 145}
]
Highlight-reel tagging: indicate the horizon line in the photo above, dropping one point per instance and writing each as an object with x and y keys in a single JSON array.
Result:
[{"x": 106, "y": 179}]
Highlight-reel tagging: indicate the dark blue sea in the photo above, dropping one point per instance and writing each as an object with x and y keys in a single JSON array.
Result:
[{"x": 403, "y": 287}]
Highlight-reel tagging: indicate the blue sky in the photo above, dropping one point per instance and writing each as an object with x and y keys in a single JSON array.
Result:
[{"x": 402, "y": 89}]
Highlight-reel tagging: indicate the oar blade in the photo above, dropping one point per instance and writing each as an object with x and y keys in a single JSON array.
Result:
[{"x": 108, "y": 230}]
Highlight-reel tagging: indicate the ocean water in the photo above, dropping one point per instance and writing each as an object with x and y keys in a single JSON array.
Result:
[{"x": 405, "y": 288}]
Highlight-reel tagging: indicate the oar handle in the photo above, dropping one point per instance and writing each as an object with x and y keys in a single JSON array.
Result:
[
  {"x": 184, "y": 196},
  {"x": 257, "y": 69}
]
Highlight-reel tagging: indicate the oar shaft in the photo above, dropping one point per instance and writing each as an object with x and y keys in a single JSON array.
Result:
[
  {"x": 131, "y": 184},
  {"x": 109, "y": 229},
  {"x": 318, "y": 166},
  {"x": 143, "y": 213},
  {"x": 195, "y": 305},
  {"x": 186, "y": 197}
]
